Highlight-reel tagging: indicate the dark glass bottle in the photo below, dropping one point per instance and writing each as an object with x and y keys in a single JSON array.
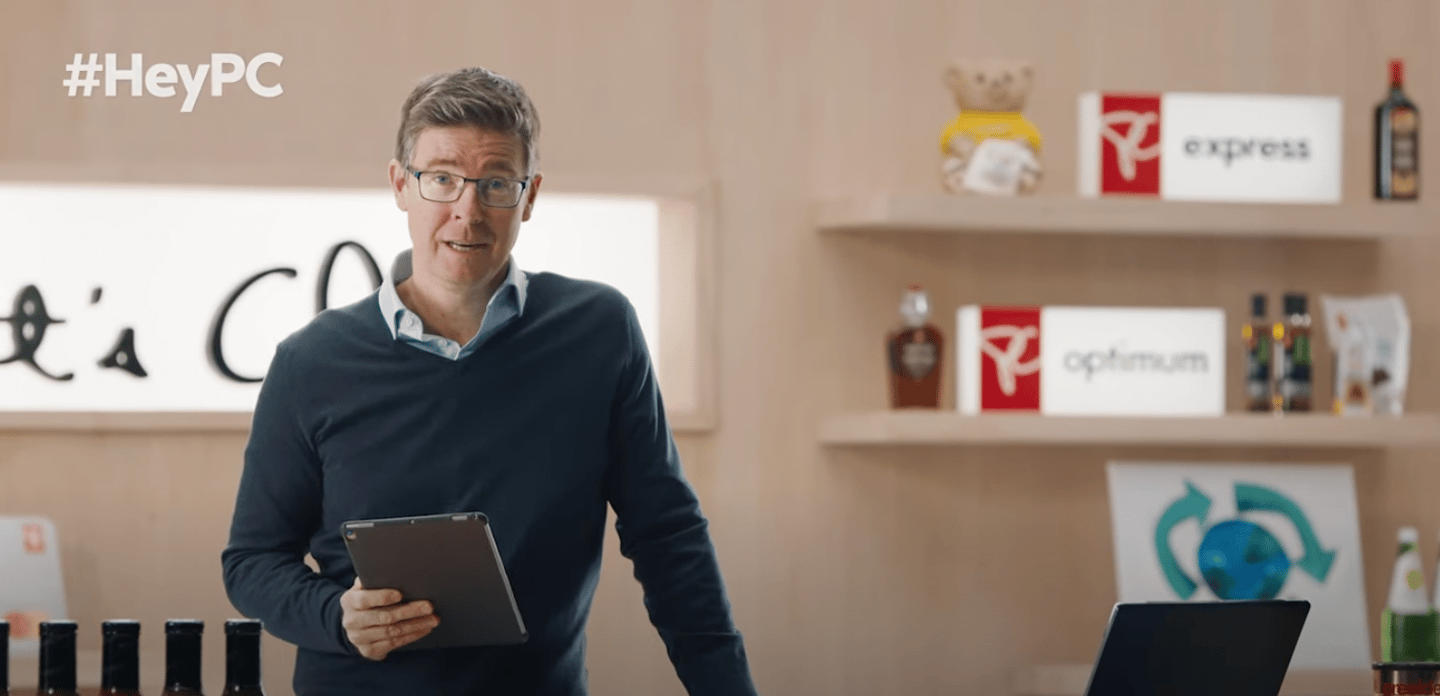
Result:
[
  {"x": 4, "y": 658},
  {"x": 182, "y": 656},
  {"x": 57, "y": 658},
  {"x": 1293, "y": 358},
  {"x": 1397, "y": 142},
  {"x": 242, "y": 658},
  {"x": 120, "y": 658},
  {"x": 1256, "y": 336}
]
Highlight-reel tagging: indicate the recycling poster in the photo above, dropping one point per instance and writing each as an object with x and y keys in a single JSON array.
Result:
[{"x": 1205, "y": 532}]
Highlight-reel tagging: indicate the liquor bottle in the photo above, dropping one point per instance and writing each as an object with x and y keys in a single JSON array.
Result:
[
  {"x": 1257, "y": 357},
  {"x": 914, "y": 355},
  {"x": 242, "y": 658},
  {"x": 1397, "y": 142},
  {"x": 1292, "y": 358},
  {"x": 182, "y": 656},
  {"x": 57, "y": 658},
  {"x": 120, "y": 658},
  {"x": 1409, "y": 627},
  {"x": 4, "y": 658}
]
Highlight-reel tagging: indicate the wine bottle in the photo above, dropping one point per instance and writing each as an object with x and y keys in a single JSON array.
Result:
[
  {"x": 120, "y": 658},
  {"x": 4, "y": 658},
  {"x": 57, "y": 658},
  {"x": 1397, "y": 142},
  {"x": 242, "y": 658},
  {"x": 1256, "y": 336},
  {"x": 182, "y": 657}
]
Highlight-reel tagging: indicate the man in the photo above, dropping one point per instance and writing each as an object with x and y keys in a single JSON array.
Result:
[{"x": 465, "y": 384}]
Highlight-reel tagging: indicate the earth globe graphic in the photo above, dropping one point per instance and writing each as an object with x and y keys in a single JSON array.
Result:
[{"x": 1241, "y": 560}]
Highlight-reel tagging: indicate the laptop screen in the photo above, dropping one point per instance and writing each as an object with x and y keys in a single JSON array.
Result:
[{"x": 1228, "y": 648}]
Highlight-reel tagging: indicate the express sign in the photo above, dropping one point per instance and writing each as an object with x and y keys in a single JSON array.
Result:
[{"x": 1211, "y": 147}]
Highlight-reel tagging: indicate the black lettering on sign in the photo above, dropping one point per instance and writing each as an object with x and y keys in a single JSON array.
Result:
[
  {"x": 123, "y": 356},
  {"x": 28, "y": 322},
  {"x": 217, "y": 328},
  {"x": 322, "y": 287}
]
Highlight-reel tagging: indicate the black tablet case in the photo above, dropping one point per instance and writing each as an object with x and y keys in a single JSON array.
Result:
[{"x": 449, "y": 559}]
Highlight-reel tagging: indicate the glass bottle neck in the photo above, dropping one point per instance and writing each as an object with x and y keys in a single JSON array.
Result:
[
  {"x": 57, "y": 665},
  {"x": 120, "y": 664},
  {"x": 242, "y": 663},
  {"x": 182, "y": 663}
]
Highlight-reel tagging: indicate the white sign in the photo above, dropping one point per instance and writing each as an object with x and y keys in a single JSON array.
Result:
[
  {"x": 1094, "y": 361},
  {"x": 32, "y": 588},
  {"x": 158, "y": 299},
  {"x": 1211, "y": 147},
  {"x": 1198, "y": 532}
]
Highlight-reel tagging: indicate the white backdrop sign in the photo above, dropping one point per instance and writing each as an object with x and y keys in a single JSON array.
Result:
[
  {"x": 1202, "y": 532},
  {"x": 130, "y": 298}
]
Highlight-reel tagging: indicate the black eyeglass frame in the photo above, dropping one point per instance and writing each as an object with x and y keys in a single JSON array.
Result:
[{"x": 465, "y": 181}]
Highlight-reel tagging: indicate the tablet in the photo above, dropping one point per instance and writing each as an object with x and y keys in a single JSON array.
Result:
[{"x": 449, "y": 559}]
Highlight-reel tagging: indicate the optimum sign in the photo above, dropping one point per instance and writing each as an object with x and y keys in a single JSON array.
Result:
[{"x": 1113, "y": 361}]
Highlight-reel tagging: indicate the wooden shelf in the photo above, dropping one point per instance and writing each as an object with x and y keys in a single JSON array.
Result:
[
  {"x": 1071, "y": 679},
  {"x": 913, "y": 427},
  {"x": 945, "y": 213}
]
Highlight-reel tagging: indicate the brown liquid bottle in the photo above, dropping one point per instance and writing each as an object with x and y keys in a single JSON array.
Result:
[
  {"x": 182, "y": 657},
  {"x": 57, "y": 659},
  {"x": 914, "y": 354},
  {"x": 120, "y": 658},
  {"x": 242, "y": 658}
]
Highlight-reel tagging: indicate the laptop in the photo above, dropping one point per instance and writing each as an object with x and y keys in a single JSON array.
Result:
[{"x": 1224, "y": 648}]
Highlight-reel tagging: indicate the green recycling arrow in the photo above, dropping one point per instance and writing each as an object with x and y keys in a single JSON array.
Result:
[
  {"x": 1194, "y": 504},
  {"x": 1317, "y": 561}
]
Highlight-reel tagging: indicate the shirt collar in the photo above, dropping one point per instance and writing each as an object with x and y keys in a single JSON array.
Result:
[{"x": 391, "y": 306}]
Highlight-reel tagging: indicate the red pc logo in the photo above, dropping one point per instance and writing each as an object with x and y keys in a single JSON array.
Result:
[
  {"x": 34, "y": 538},
  {"x": 1010, "y": 358},
  {"x": 1130, "y": 144}
]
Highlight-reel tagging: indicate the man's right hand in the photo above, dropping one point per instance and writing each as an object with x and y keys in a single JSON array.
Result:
[{"x": 376, "y": 622}]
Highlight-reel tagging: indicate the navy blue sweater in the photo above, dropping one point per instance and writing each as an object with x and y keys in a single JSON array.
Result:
[{"x": 549, "y": 420}]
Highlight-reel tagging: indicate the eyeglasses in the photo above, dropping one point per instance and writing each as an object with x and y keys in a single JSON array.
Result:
[{"x": 444, "y": 187}]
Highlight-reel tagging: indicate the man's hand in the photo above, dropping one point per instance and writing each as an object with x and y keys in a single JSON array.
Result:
[{"x": 376, "y": 622}]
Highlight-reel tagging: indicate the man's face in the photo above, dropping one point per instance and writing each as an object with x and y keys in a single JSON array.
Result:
[{"x": 462, "y": 244}]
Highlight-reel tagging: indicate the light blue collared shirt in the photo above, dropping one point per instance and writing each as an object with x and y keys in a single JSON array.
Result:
[{"x": 505, "y": 305}]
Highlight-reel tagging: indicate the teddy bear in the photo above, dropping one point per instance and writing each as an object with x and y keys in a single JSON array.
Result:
[{"x": 990, "y": 147}]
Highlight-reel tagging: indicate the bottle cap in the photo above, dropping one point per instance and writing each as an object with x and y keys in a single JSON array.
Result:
[
  {"x": 1257, "y": 305},
  {"x": 1397, "y": 71},
  {"x": 242, "y": 627},
  {"x": 1295, "y": 303},
  {"x": 1408, "y": 535},
  {"x": 185, "y": 626},
  {"x": 57, "y": 627},
  {"x": 127, "y": 627}
]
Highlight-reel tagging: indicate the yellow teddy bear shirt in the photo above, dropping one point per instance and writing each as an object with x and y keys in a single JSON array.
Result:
[{"x": 981, "y": 125}]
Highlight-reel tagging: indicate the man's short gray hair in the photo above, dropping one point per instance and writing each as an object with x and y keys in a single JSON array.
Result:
[{"x": 469, "y": 97}]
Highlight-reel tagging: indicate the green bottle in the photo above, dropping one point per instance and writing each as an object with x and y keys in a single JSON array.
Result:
[{"x": 1409, "y": 626}]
